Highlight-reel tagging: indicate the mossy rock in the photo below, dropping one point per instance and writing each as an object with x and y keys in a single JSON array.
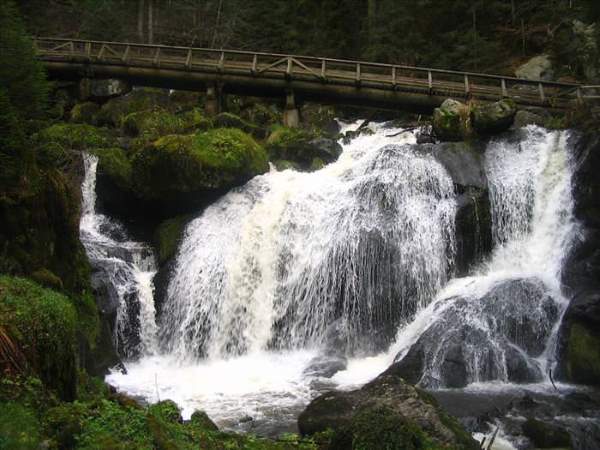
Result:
[
  {"x": 284, "y": 164},
  {"x": 261, "y": 114},
  {"x": 194, "y": 164},
  {"x": 186, "y": 100},
  {"x": 201, "y": 419},
  {"x": 491, "y": 118},
  {"x": 544, "y": 435},
  {"x": 114, "y": 164},
  {"x": 86, "y": 112},
  {"x": 167, "y": 237},
  {"x": 228, "y": 120},
  {"x": 583, "y": 355},
  {"x": 451, "y": 121},
  {"x": 70, "y": 136},
  {"x": 114, "y": 111},
  {"x": 42, "y": 324},
  {"x": 301, "y": 147},
  {"x": 46, "y": 278}
]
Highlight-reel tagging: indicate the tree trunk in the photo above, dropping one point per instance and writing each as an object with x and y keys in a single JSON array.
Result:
[
  {"x": 150, "y": 21},
  {"x": 140, "y": 21},
  {"x": 217, "y": 23}
]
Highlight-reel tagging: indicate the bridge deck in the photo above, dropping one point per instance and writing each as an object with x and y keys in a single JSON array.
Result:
[{"x": 242, "y": 71}]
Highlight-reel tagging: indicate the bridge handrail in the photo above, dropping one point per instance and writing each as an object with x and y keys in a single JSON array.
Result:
[{"x": 218, "y": 52}]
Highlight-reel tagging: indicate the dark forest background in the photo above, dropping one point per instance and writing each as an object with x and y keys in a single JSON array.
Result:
[{"x": 482, "y": 35}]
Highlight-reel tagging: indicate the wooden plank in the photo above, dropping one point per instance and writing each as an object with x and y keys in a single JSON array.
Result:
[
  {"x": 288, "y": 70},
  {"x": 188, "y": 59},
  {"x": 394, "y": 76},
  {"x": 430, "y": 81},
  {"x": 156, "y": 60},
  {"x": 504, "y": 90},
  {"x": 324, "y": 69},
  {"x": 541, "y": 89},
  {"x": 358, "y": 74},
  {"x": 305, "y": 67},
  {"x": 221, "y": 62},
  {"x": 126, "y": 54},
  {"x": 467, "y": 85},
  {"x": 254, "y": 64}
]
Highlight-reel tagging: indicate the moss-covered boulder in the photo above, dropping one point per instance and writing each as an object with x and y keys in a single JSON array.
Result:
[
  {"x": 307, "y": 151},
  {"x": 451, "y": 121},
  {"x": 229, "y": 120},
  {"x": 494, "y": 117},
  {"x": 186, "y": 169},
  {"x": 72, "y": 136},
  {"x": 114, "y": 111},
  {"x": 86, "y": 112},
  {"x": 41, "y": 324},
  {"x": 386, "y": 410},
  {"x": 261, "y": 113}
]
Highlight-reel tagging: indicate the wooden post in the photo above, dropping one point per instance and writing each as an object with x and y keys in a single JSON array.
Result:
[
  {"x": 288, "y": 70},
  {"x": 394, "y": 76},
  {"x": 188, "y": 60},
  {"x": 291, "y": 115},
  {"x": 254, "y": 64},
  {"x": 156, "y": 61},
  {"x": 126, "y": 55},
  {"x": 323, "y": 70},
  {"x": 358, "y": 74},
  {"x": 88, "y": 49},
  {"x": 212, "y": 105},
  {"x": 579, "y": 96},
  {"x": 430, "y": 81},
  {"x": 222, "y": 62},
  {"x": 467, "y": 86},
  {"x": 504, "y": 91},
  {"x": 541, "y": 89}
]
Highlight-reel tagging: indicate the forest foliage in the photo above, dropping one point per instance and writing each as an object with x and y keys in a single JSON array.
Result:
[{"x": 483, "y": 35}]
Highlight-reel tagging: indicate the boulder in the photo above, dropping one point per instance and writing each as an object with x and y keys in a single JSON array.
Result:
[
  {"x": 524, "y": 118},
  {"x": 579, "y": 344},
  {"x": 494, "y": 117},
  {"x": 179, "y": 173},
  {"x": 515, "y": 320},
  {"x": 86, "y": 112},
  {"x": 545, "y": 435},
  {"x": 302, "y": 148},
  {"x": 228, "y": 120},
  {"x": 537, "y": 68},
  {"x": 114, "y": 111},
  {"x": 103, "y": 89},
  {"x": 450, "y": 121},
  {"x": 385, "y": 410}
]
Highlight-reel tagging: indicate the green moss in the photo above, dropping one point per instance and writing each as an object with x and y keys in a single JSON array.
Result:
[
  {"x": 216, "y": 159},
  {"x": 47, "y": 278},
  {"x": 167, "y": 237},
  {"x": 583, "y": 355},
  {"x": 381, "y": 427},
  {"x": 86, "y": 112},
  {"x": 19, "y": 427},
  {"x": 229, "y": 120},
  {"x": 114, "y": 164},
  {"x": 75, "y": 136},
  {"x": 42, "y": 324},
  {"x": 116, "y": 110}
]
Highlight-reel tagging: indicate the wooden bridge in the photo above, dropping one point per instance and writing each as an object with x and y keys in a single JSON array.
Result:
[{"x": 324, "y": 80}]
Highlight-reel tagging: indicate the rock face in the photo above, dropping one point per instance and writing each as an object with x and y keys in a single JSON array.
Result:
[
  {"x": 580, "y": 329},
  {"x": 450, "y": 120},
  {"x": 514, "y": 320},
  {"x": 464, "y": 162},
  {"x": 385, "y": 410},
  {"x": 537, "y": 68},
  {"x": 494, "y": 117}
]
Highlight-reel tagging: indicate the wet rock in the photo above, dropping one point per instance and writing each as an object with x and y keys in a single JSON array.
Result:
[
  {"x": 450, "y": 121},
  {"x": 579, "y": 345},
  {"x": 524, "y": 118},
  {"x": 494, "y": 117},
  {"x": 537, "y": 68},
  {"x": 386, "y": 406},
  {"x": 302, "y": 148},
  {"x": 514, "y": 321},
  {"x": 325, "y": 366},
  {"x": 544, "y": 435}
]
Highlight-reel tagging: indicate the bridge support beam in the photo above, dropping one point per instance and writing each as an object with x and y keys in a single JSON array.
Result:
[
  {"x": 212, "y": 105},
  {"x": 291, "y": 115}
]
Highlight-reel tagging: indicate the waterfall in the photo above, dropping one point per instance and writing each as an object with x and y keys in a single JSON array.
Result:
[
  {"x": 122, "y": 271},
  {"x": 339, "y": 257},
  {"x": 501, "y": 322},
  {"x": 356, "y": 260}
]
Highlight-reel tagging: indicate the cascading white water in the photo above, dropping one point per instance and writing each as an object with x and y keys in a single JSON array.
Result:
[
  {"x": 503, "y": 320},
  {"x": 293, "y": 258},
  {"x": 124, "y": 268},
  {"x": 343, "y": 257}
]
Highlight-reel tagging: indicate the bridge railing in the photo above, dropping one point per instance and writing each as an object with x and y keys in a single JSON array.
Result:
[{"x": 314, "y": 69}]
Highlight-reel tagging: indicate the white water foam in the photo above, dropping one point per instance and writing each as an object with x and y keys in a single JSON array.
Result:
[{"x": 124, "y": 268}]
